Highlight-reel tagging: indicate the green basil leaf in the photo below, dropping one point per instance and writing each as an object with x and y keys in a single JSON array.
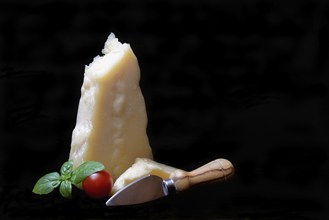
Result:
[
  {"x": 67, "y": 168},
  {"x": 47, "y": 183},
  {"x": 85, "y": 170},
  {"x": 65, "y": 189}
]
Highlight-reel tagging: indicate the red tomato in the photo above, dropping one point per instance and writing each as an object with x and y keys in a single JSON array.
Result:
[{"x": 98, "y": 185}]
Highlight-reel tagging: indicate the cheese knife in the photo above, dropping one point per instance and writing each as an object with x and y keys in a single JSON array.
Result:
[{"x": 153, "y": 187}]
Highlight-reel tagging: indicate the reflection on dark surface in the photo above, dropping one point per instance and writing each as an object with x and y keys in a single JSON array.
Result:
[{"x": 242, "y": 80}]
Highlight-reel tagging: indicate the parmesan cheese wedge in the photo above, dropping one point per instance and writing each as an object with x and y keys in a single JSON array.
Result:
[
  {"x": 143, "y": 167},
  {"x": 111, "y": 120}
]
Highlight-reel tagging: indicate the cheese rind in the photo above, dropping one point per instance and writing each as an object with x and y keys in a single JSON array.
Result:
[{"x": 111, "y": 120}]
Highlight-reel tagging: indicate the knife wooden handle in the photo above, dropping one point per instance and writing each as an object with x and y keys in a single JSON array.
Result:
[{"x": 216, "y": 170}]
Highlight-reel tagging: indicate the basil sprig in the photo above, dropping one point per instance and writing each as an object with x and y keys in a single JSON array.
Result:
[{"x": 66, "y": 178}]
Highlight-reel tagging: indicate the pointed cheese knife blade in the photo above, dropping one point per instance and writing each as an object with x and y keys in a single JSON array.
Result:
[
  {"x": 152, "y": 187},
  {"x": 145, "y": 189}
]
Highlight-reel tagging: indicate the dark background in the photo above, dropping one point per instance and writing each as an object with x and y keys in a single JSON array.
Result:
[{"x": 242, "y": 80}]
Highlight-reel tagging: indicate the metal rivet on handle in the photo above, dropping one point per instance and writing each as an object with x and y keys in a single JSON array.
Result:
[{"x": 168, "y": 186}]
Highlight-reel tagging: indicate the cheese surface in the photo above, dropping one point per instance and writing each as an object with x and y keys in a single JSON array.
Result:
[{"x": 111, "y": 119}]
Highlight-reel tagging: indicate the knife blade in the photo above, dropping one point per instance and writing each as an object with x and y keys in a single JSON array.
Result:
[{"x": 153, "y": 187}]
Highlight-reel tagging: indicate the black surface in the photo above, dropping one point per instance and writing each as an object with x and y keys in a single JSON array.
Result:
[{"x": 242, "y": 80}]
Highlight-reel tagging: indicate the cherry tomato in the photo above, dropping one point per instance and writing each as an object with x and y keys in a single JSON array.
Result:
[{"x": 98, "y": 185}]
